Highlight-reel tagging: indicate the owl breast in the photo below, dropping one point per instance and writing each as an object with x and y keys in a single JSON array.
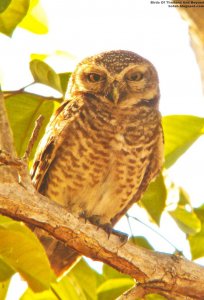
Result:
[{"x": 101, "y": 166}]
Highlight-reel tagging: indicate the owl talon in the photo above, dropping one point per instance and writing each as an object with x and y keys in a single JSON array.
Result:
[
  {"x": 122, "y": 236},
  {"x": 84, "y": 216},
  {"x": 109, "y": 230}
]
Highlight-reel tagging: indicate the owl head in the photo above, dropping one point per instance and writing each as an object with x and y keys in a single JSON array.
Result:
[{"x": 118, "y": 77}]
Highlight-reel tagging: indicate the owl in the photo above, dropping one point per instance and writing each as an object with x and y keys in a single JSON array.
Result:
[{"x": 103, "y": 146}]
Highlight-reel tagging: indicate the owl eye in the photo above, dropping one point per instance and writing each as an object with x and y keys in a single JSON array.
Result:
[
  {"x": 134, "y": 76},
  {"x": 94, "y": 77}
]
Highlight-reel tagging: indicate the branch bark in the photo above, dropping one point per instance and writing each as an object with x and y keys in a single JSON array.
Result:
[
  {"x": 168, "y": 275},
  {"x": 161, "y": 273}
]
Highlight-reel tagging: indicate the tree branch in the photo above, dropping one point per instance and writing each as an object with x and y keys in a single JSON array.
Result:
[
  {"x": 160, "y": 272},
  {"x": 169, "y": 275}
]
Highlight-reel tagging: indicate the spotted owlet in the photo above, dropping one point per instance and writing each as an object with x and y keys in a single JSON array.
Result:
[{"x": 103, "y": 145}]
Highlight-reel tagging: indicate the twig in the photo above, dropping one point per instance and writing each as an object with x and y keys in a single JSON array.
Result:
[
  {"x": 155, "y": 231},
  {"x": 38, "y": 125},
  {"x": 128, "y": 220},
  {"x": 20, "y": 166},
  {"x": 16, "y": 92},
  {"x": 143, "y": 289},
  {"x": 6, "y": 138}
]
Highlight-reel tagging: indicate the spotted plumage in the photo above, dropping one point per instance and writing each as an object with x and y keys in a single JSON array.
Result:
[{"x": 104, "y": 144}]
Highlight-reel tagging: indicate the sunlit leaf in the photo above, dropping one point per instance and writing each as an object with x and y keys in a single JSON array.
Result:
[
  {"x": 36, "y": 19},
  {"x": 4, "y": 4},
  {"x": 187, "y": 221},
  {"x": 64, "y": 79},
  {"x": 5, "y": 271},
  {"x": 46, "y": 295},
  {"x": 180, "y": 132},
  {"x": 13, "y": 15},
  {"x": 38, "y": 56},
  {"x": 44, "y": 74},
  {"x": 23, "y": 110},
  {"x": 141, "y": 241},
  {"x": 17, "y": 246},
  {"x": 199, "y": 211},
  {"x": 109, "y": 273},
  {"x": 196, "y": 243},
  {"x": 68, "y": 288},
  {"x": 154, "y": 199},
  {"x": 183, "y": 197},
  {"x": 113, "y": 288},
  {"x": 88, "y": 278},
  {"x": 3, "y": 289},
  {"x": 65, "y": 54}
]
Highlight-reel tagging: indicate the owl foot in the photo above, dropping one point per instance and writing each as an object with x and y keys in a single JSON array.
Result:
[
  {"x": 109, "y": 229},
  {"x": 95, "y": 220}
]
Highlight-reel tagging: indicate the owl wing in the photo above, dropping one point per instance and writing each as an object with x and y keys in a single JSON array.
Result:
[
  {"x": 60, "y": 256},
  {"x": 52, "y": 139}
]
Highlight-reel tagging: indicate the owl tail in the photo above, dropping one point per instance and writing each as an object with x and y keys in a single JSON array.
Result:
[{"x": 61, "y": 257}]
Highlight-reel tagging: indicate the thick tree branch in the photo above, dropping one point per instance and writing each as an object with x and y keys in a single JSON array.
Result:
[{"x": 169, "y": 275}]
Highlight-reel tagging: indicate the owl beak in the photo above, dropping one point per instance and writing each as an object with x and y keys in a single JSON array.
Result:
[{"x": 114, "y": 94}]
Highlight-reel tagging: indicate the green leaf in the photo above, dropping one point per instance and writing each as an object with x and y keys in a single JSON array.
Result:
[
  {"x": 4, "y": 4},
  {"x": 180, "y": 132},
  {"x": 3, "y": 289},
  {"x": 183, "y": 197},
  {"x": 196, "y": 243},
  {"x": 38, "y": 56},
  {"x": 69, "y": 288},
  {"x": 113, "y": 288},
  {"x": 110, "y": 273},
  {"x": 13, "y": 15},
  {"x": 88, "y": 278},
  {"x": 5, "y": 271},
  {"x": 114, "y": 285},
  {"x": 43, "y": 73},
  {"x": 187, "y": 221},
  {"x": 46, "y": 295},
  {"x": 141, "y": 241},
  {"x": 17, "y": 246},
  {"x": 199, "y": 211},
  {"x": 23, "y": 110},
  {"x": 64, "y": 79},
  {"x": 36, "y": 19},
  {"x": 154, "y": 199}
]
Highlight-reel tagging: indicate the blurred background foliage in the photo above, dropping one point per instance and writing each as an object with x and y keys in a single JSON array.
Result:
[{"x": 20, "y": 250}]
